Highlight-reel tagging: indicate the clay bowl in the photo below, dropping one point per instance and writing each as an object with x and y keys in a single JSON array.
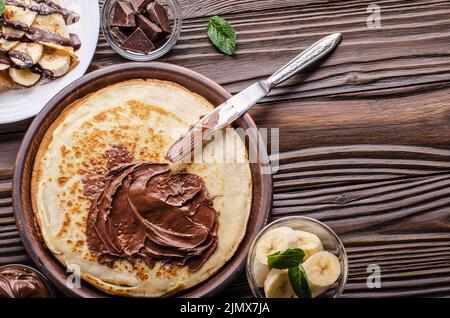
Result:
[{"x": 43, "y": 258}]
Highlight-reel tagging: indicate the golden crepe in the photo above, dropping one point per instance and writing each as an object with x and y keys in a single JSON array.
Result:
[
  {"x": 35, "y": 45},
  {"x": 145, "y": 117}
]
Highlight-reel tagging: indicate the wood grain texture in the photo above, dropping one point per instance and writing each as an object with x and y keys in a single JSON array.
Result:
[{"x": 364, "y": 139}]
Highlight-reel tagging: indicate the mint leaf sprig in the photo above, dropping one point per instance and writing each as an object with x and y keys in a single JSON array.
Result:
[
  {"x": 222, "y": 35},
  {"x": 292, "y": 259},
  {"x": 286, "y": 259},
  {"x": 299, "y": 281}
]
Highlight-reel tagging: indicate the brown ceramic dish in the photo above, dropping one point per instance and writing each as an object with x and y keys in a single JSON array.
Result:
[{"x": 44, "y": 260}]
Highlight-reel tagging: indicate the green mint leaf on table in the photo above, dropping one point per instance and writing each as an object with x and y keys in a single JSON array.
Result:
[
  {"x": 2, "y": 7},
  {"x": 222, "y": 35},
  {"x": 286, "y": 259},
  {"x": 299, "y": 281}
]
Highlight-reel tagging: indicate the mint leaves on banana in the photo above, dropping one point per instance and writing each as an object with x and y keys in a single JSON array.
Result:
[
  {"x": 299, "y": 281},
  {"x": 221, "y": 34},
  {"x": 291, "y": 257}
]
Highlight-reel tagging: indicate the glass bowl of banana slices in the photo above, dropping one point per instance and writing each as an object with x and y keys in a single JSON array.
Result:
[{"x": 297, "y": 257}]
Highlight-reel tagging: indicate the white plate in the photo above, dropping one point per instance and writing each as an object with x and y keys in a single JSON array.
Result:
[{"x": 26, "y": 103}]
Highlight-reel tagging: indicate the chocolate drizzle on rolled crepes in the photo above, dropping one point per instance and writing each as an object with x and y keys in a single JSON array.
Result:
[
  {"x": 37, "y": 35},
  {"x": 148, "y": 212},
  {"x": 24, "y": 57},
  {"x": 35, "y": 39}
]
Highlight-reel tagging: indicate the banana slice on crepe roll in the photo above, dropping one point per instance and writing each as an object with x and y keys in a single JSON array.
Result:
[
  {"x": 25, "y": 55},
  {"x": 55, "y": 62}
]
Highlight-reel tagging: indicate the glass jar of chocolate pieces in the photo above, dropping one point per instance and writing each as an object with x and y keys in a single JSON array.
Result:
[{"x": 141, "y": 30}]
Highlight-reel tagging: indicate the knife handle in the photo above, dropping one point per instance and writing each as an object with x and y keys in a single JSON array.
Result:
[{"x": 308, "y": 57}]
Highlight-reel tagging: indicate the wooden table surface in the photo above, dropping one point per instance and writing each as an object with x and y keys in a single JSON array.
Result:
[{"x": 364, "y": 140}]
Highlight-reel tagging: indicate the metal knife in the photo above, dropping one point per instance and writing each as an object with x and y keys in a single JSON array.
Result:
[{"x": 239, "y": 104}]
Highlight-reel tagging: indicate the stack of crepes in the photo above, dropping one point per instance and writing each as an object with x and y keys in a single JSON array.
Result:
[{"x": 35, "y": 44}]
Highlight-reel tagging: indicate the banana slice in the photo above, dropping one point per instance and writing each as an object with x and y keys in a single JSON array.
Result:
[
  {"x": 7, "y": 45},
  {"x": 277, "y": 284},
  {"x": 31, "y": 53},
  {"x": 260, "y": 272},
  {"x": 24, "y": 77},
  {"x": 309, "y": 243},
  {"x": 275, "y": 240},
  {"x": 323, "y": 270},
  {"x": 56, "y": 63}
]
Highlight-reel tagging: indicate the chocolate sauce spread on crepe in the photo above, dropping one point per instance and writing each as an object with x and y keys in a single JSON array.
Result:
[{"x": 147, "y": 212}]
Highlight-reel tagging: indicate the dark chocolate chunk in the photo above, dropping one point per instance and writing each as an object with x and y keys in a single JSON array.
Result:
[
  {"x": 119, "y": 34},
  {"x": 139, "y": 5},
  {"x": 158, "y": 14},
  {"x": 149, "y": 28},
  {"x": 123, "y": 15},
  {"x": 138, "y": 42},
  {"x": 76, "y": 42}
]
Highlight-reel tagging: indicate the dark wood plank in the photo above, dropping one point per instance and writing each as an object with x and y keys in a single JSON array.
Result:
[{"x": 419, "y": 119}]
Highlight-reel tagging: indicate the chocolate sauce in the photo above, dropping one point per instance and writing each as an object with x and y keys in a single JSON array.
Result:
[
  {"x": 14, "y": 24},
  {"x": 39, "y": 35},
  {"x": 118, "y": 155},
  {"x": 11, "y": 36},
  {"x": 147, "y": 212},
  {"x": 94, "y": 181},
  {"x": 4, "y": 60},
  {"x": 76, "y": 42},
  {"x": 39, "y": 70}
]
